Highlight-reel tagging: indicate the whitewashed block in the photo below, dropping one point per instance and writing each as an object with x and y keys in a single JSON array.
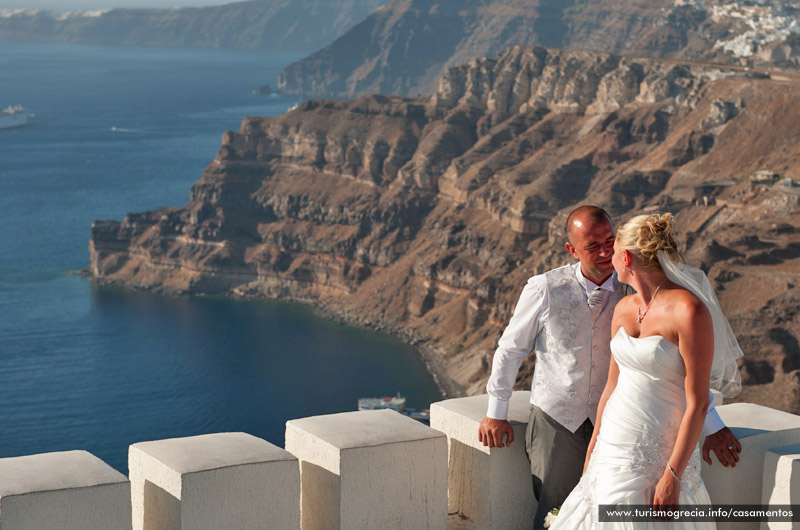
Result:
[
  {"x": 758, "y": 429},
  {"x": 214, "y": 481},
  {"x": 370, "y": 470},
  {"x": 781, "y": 482},
  {"x": 71, "y": 490},
  {"x": 490, "y": 487}
]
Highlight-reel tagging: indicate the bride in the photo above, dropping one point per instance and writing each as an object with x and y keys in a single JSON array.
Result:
[{"x": 669, "y": 340}]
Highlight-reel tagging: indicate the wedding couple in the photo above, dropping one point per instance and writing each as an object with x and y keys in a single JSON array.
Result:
[{"x": 621, "y": 388}]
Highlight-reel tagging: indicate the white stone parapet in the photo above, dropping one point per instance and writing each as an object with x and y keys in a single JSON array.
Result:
[
  {"x": 72, "y": 490},
  {"x": 781, "y": 481},
  {"x": 759, "y": 429},
  {"x": 215, "y": 481},
  {"x": 370, "y": 470},
  {"x": 490, "y": 486}
]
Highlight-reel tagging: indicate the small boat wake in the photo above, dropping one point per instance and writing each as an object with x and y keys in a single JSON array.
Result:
[{"x": 129, "y": 131}]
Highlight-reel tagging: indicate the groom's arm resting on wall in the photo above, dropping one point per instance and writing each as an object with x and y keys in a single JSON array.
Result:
[
  {"x": 515, "y": 344},
  {"x": 719, "y": 439}
]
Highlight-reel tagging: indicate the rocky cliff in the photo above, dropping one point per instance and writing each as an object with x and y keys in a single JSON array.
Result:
[
  {"x": 424, "y": 217},
  {"x": 275, "y": 25},
  {"x": 406, "y": 46}
]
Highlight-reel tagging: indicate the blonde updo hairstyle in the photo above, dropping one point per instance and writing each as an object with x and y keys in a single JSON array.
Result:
[{"x": 645, "y": 235}]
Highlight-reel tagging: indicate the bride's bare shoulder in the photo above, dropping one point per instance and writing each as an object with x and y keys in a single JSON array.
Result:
[
  {"x": 686, "y": 305},
  {"x": 680, "y": 295}
]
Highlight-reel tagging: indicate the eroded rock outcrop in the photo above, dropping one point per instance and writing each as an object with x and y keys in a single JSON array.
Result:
[{"x": 424, "y": 217}]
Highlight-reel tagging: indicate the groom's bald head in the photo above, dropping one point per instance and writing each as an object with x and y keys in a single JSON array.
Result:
[{"x": 584, "y": 217}]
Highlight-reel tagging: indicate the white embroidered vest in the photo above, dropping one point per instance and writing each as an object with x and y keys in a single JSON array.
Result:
[{"x": 572, "y": 351}]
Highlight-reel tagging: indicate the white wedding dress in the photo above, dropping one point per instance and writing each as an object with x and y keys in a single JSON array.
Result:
[{"x": 637, "y": 433}]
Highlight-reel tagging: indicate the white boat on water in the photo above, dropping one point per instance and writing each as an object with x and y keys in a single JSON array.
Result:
[
  {"x": 397, "y": 403},
  {"x": 14, "y": 116}
]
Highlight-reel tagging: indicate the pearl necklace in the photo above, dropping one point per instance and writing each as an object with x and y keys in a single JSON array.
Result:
[{"x": 640, "y": 313}]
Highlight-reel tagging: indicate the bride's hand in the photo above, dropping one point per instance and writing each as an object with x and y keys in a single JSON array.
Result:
[{"x": 667, "y": 491}]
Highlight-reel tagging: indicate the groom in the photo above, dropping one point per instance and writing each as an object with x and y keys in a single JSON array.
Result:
[{"x": 564, "y": 315}]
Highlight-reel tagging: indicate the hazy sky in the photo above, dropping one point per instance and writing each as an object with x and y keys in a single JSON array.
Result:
[{"x": 74, "y": 5}]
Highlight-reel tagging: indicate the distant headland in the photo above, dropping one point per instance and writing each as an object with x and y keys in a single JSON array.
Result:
[{"x": 272, "y": 25}]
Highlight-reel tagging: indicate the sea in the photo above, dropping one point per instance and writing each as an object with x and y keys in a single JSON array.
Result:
[{"x": 130, "y": 129}]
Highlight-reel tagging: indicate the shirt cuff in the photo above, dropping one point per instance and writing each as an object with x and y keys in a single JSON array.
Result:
[
  {"x": 498, "y": 408},
  {"x": 713, "y": 423}
]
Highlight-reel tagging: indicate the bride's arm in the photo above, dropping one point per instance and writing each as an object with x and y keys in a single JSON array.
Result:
[
  {"x": 696, "y": 343},
  {"x": 611, "y": 384}
]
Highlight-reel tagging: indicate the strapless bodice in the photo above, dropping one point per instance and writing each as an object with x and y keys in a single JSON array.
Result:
[
  {"x": 652, "y": 375},
  {"x": 641, "y": 418}
]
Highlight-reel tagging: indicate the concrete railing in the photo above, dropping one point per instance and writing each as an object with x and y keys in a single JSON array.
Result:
[
  {"x": 490, "y": 487},
  {"x": 69, "y": 490},
  {"x": 227, "y": 480},
  {"x": 360, "y": 470}
]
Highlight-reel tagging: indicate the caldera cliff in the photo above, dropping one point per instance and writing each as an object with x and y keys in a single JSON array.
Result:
[
  {"x": 405, "y": 47},
  {"x": 425, "y": 217}
]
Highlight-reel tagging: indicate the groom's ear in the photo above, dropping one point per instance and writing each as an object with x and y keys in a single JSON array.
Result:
[{"x": 571, "y": 249}]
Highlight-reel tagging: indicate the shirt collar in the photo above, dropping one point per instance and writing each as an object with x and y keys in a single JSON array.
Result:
[{"x": 589, "y": 285}]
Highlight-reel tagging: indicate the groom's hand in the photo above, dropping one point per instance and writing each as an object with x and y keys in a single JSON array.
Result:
[
  {"x": 491, "y": 431},
  {"x": 725, "y": 446}
]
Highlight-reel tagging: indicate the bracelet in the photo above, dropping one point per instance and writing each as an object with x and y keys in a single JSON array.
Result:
[{"x": 673, "y": 472}]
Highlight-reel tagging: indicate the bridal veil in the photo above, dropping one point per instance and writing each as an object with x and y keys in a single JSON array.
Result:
[{"x": 724, "y": 372}]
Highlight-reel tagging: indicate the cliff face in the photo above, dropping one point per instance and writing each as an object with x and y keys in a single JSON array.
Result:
[
  {"x": 275, "y": 25},
  {"x": 425, "y": 217},
  {"x": 406, "y": 46}
]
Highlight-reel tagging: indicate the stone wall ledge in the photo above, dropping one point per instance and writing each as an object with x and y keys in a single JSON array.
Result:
[
  {"x": 224, "y": 480},
  {"x": 70, "y": 490},
  {"x": 368, "y": 470}
]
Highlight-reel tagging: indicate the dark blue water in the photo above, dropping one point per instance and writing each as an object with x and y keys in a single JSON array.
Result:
[{"x": 81, "y": 367}]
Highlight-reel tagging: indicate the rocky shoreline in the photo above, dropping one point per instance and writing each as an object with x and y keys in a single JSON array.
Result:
[{"x": 433, "y": 359}]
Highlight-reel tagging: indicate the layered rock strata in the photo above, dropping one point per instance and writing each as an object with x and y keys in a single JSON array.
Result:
[{"x": 425, "y": 217}]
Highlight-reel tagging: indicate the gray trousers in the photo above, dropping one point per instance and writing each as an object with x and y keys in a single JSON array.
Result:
[{"x": 557, "y": 458}]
